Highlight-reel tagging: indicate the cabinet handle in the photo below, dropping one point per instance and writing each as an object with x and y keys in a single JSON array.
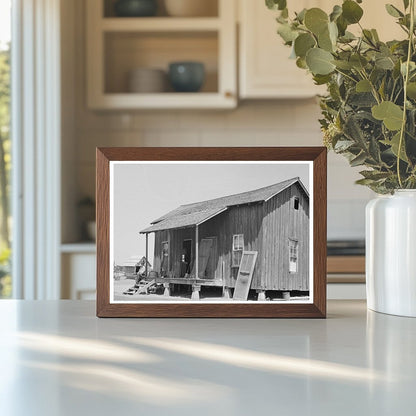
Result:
[{"x": 229, "y": 94}]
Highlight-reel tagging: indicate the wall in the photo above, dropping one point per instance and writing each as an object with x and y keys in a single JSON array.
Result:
[
  {"x": 282, "y": 220},
  {"x": 255, "y": 123}
]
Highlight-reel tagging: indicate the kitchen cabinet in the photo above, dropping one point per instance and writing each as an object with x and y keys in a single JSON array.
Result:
[
  {"x": 78, "y": 263},
  {"x": 375, "y": 16},
  {"x": 264, "y": 65},
  {"x": 265, "y": 70},
  {"x": 118, "y": 45}
]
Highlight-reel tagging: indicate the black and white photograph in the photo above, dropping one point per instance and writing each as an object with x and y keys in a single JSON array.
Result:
[{"x": 188, "y": 231}]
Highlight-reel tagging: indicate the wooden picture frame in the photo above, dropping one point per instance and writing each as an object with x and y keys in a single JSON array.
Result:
[{"x": 314, "y": 306}]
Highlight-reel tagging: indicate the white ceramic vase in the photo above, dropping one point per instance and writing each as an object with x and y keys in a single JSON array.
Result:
[{"x": 391, "y": 253}]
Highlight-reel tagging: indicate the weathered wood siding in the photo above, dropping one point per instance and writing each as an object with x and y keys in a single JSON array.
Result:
[
  {"x": 282, "y": 222},
  {"x": 244, "y": 219},
  {"x": 175, "y": 239},
  {"x": 267, "y": 228}
]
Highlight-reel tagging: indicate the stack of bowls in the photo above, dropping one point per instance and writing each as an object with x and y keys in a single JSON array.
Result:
[
  {"x": 191, "y": 8},
  {"x": 147, "y": 80}
]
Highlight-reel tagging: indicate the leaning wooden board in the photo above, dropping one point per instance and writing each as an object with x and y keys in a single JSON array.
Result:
[{"x": 245, "y": 275}]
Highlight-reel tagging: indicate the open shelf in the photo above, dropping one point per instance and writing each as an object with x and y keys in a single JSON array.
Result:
[
  {"x": 160, "y": 24},
  {"x": 211, "y": 9},
  {"x": 81, "y": 247},
  {"x": 127, "y": 51},
  {"x": 119, "y": 45},
  {"x": 168, "y": 100}
]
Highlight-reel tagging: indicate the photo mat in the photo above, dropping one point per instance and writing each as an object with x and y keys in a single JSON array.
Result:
[{"x": 218, "y": 231}]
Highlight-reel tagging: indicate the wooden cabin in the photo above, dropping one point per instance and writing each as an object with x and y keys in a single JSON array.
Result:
[
  {"x": 201, "y": 244},
  {"x": 133, "y": 265}
]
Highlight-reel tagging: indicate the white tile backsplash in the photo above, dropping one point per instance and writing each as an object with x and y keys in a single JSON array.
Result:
[
  {"x": 258, "y": 123},
  {"x": 175, "y": 138},
  {"x": 346, "y": 219},
  {"x": 253, "y": 123}
]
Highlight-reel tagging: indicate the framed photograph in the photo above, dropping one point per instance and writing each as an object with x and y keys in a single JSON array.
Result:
[{"x": 211, "y": 232}]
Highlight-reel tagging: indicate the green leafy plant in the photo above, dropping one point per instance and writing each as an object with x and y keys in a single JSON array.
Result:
[
  {"x": 369, "y": 113},
  {"x": 5, "y": 280}
]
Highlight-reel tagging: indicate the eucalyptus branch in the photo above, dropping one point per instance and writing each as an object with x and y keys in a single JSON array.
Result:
[
  {"x": 392, "y": 91},
  {"x": 373, "y": 88},
  {"x": 404, "y": 28},
  {"x": 406, "y": 80},
  {"x": 369, "y": 40},
  {"x": 398, "y": 95},
  {"x": 346, "y": 75},
  {"x": 376, "y": 107}
]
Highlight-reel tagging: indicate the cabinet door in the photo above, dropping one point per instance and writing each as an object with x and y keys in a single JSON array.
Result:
[
  {"x": 78, "y": 276},
  {"x": 265, "y": 68},
  {"x": 376, "y": 17}
]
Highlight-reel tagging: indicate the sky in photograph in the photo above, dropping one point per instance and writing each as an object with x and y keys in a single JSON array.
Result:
[{"x": 144, "y": 192}]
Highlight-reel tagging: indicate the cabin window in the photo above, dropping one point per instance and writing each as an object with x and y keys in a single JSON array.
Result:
[
  {"x": 296, "y": 203},
  {"x": 293, "y": 256},
  {"x": 238, "y": 247}
]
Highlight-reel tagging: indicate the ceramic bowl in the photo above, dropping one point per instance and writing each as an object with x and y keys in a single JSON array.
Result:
[
  {"x": 147, "y": 80},
  {"x": 135, "y": 8},
  {"x": 186, "y": 76},
  {"x": 191, "y": 8}
]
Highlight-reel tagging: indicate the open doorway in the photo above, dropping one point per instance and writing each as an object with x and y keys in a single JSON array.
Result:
[{"x": 186, "y": 257}]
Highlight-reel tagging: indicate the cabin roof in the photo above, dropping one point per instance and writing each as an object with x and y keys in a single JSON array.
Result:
[{"x": 199, "y": 212}]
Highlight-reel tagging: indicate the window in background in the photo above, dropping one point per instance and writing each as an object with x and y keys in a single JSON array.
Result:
[{"x": 5, "y": 147}]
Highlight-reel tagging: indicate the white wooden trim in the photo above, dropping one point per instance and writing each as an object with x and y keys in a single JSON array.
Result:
[
  {"x": 36, "y": 140},
  {"x": 227, "y": 59},
  {"x": 95, "y": 53},
  {"x": 76, "y": 248},
  {"x": 200, "y": 100},
  {"x": 162, "y": 24},
  {"x": 255, "y": 84}
]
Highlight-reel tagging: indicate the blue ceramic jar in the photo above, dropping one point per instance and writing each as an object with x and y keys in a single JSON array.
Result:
[
  {"x": 186, "y": 76},
  {"x": 135, "y": 8}
]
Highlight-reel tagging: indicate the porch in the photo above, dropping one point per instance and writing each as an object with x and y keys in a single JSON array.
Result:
[
  {"x": 195, "y": 283},
  {"x": 183, "y": 253},
  {"x": 183, "y": 246}
]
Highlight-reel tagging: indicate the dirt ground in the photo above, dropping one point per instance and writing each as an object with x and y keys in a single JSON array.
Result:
[{"x": 122, "y": 285}]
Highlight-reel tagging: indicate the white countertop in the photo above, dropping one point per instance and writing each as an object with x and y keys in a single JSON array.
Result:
[{"x": 57, "y": 358}]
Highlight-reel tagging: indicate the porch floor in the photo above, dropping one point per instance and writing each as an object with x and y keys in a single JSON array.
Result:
[{"x": 190, "y": 281}]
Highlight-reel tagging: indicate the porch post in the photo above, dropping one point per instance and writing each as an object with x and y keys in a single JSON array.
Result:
[
  {"x": 147, "y": 251},
  {"x": 169, "y": 274},
  {"x": 196, "y": 251}
]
